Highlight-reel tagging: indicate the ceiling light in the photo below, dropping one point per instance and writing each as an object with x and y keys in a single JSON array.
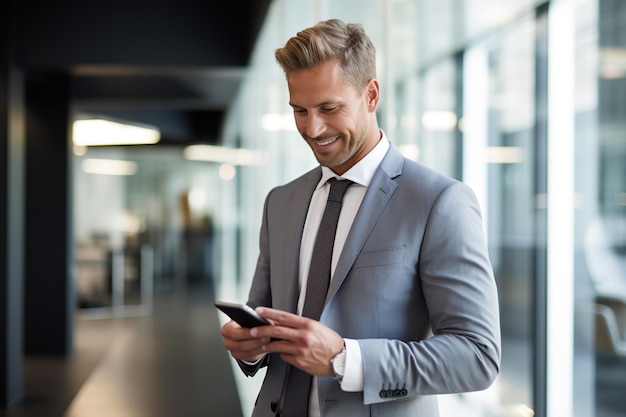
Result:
[
  {"x": 612, "y": 63},
  {"x": 442, "y": 121},
  {"x": 277, "y": 122},
  {"x": 234, "y": 156},
  {"x": 503, "y": 154},
  {"x": 411, "y": 151},
  {"x": 109, "y": 167},
  {"x": 100, "y": 132},
  {"x": 227, "y": 172}
]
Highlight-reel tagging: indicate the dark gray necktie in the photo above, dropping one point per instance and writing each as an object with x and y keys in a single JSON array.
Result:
[{"x": 296, "y": 399}]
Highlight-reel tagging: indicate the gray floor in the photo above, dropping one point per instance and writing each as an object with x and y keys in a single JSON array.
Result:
[
  {"x": 172, "y": 364},
  {"x": 169, "y": 364}
]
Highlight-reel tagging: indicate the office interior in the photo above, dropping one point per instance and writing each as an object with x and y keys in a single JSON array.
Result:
[{"x": 111, "y": 256}]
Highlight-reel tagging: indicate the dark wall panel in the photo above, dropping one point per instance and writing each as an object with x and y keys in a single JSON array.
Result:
[{"x": 49, "y": 305}]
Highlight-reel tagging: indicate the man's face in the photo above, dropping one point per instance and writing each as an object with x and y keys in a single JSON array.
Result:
[{"x": 335, "y": 119}]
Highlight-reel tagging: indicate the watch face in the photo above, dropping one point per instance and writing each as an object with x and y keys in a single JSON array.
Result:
[{"x": 339, "y": 364}]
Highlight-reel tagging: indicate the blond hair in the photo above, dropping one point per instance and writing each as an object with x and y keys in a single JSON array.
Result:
[{"x": 328, "y": 40}]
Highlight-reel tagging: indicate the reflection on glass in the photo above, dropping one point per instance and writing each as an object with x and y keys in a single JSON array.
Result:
[
  {"x": 600, "y": 224},
  {"x": 438, "y": 119},
  {"x": 499, "y": 163}
]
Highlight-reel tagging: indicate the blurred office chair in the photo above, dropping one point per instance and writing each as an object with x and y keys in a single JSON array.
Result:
[
  {"x": 609, "y": 333},
  {"x": 607, "y": 270},
  {"x": 605, "y": 262}
]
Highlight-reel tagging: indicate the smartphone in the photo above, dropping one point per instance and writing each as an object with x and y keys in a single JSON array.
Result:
[{"x": 242, "y": 314}]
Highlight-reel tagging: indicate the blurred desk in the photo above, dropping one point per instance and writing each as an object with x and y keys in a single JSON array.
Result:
[{"x": 114, "y": 283}]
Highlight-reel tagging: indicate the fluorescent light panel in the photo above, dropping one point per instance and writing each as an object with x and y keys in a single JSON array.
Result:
[
  {"x": 612, "y": 63},
  {"x": 234, "y": 156},
  {"x": 109, "y": 167},
  {"x": 100, "y": 132},
  {"x": 278, "y": 122},
  {"x": 439, "y": 121},
  {"x": 411, "y": 151},
  {"x": 503, "y": 154}
]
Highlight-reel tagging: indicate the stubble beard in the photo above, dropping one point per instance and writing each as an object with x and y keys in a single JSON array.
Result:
[{"x": 349, "y": 149}]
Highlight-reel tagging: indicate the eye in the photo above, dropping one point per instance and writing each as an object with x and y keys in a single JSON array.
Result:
[
  {"x": 299, "y": 111},
  {"x": 329, "y": 109}
]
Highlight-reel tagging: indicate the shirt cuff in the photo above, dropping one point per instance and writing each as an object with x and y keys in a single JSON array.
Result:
[
  {"x": 252, "y": 363},
  {"x": 353, "y": 378}
]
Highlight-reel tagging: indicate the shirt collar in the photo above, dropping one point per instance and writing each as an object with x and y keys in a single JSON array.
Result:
[{"x": 363, "y": 171}]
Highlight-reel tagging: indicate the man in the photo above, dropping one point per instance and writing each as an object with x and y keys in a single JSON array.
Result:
[{"x": 411, "y": 310}]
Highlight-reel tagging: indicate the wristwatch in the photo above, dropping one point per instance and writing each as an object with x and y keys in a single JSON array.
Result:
[{"x": 339, "y": 364}]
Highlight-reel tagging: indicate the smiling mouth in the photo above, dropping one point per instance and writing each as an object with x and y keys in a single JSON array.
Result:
[{"x": 327, "y": 141}]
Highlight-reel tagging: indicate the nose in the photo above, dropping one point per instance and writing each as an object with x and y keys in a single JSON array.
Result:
[{"x": 315, "y": 125}]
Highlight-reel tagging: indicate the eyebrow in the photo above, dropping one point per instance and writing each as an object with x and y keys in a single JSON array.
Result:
[{"x": 322, "y": 104}]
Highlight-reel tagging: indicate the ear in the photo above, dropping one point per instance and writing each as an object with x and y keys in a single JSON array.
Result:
[{"x": 372, "y": 92}]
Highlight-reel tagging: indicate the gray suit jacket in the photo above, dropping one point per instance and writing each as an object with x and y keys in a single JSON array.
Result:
[{"x": 413, "y": 285}]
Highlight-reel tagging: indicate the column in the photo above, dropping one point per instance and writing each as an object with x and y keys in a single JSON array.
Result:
[
  {"x": 48, "y": 291},
  {"x": 11, "y": 217}
]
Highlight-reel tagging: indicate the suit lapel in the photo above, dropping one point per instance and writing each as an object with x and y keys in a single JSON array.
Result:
[{"x": 374, "y": 202}]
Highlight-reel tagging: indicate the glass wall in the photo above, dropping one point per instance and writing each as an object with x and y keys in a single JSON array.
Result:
[
  {"x": 499, "y": 163},
  {"x": 600, "y": 216}
]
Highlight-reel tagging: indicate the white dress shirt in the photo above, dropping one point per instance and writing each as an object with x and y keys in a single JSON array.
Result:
[{"x": 361, "y": 174}]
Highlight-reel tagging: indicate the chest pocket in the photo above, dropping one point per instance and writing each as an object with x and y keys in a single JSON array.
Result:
[{"x": 380, "y": 257}]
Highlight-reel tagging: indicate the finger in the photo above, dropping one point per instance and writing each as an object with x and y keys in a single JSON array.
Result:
[
  {"x": 282, "y": 318},
  {"x": 277, "y": 332},
  {"x": 249, "y": 344},
  {"x": 234, "y": 335},
  {"x": 232, "y": 330}
]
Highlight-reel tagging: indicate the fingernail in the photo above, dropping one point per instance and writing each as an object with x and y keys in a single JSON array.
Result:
[
  {"x": 253, "y": 332},
  {"x": 265, "y": 340}
]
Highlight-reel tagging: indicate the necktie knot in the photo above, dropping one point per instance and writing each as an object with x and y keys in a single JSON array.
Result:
[{"x": 338, "y": 189}]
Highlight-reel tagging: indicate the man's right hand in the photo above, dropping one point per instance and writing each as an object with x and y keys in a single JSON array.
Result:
[{"x": 241, "y": 345}]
